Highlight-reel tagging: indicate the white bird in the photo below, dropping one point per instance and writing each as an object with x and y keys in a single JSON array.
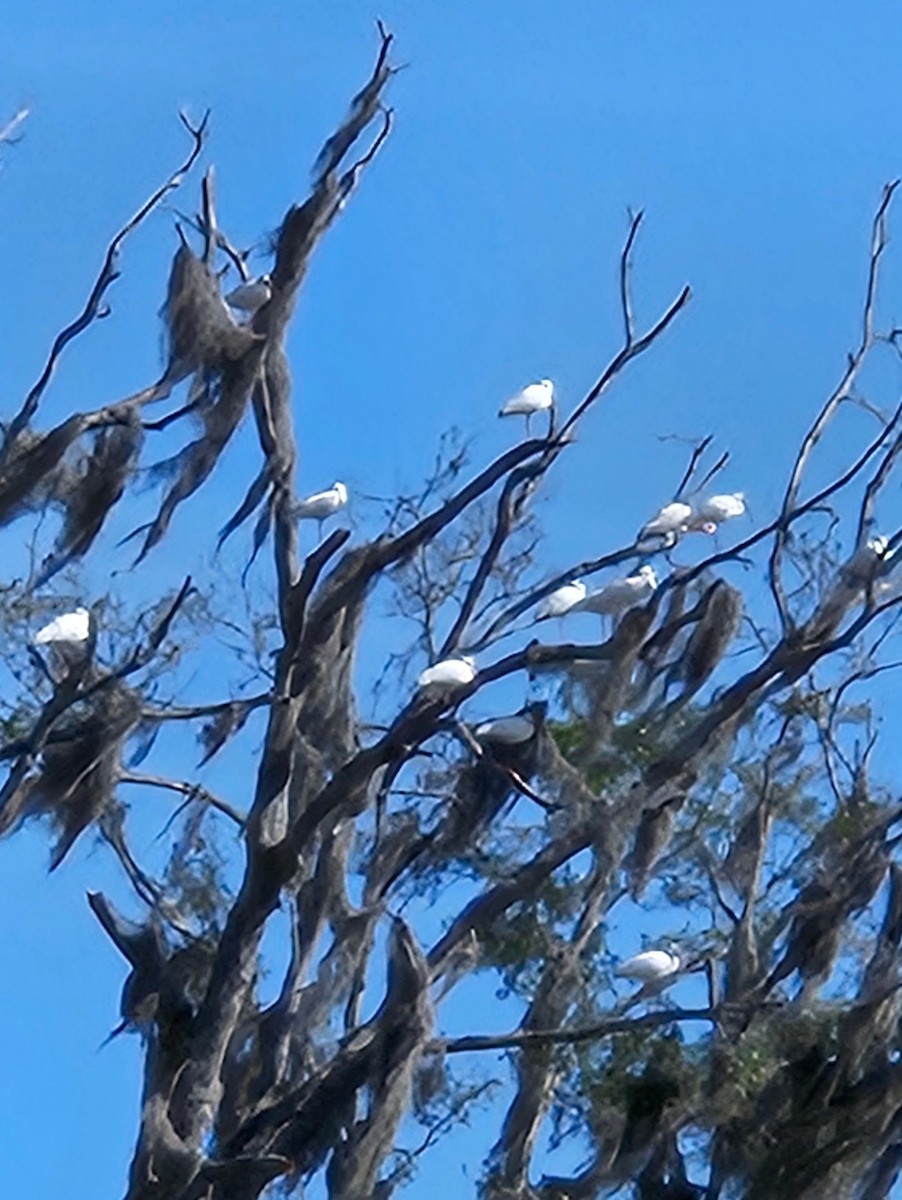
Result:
[
  {"x": 620, "y": 595},
  {"x": 448, "y": 674},
  {"x": 670, "y": 522},
  {"x": 863, "y": 569},
  {"x": 860, "y": 567},
  {"x": 651, "y": 966},
  {"x": 71, "y": 628},
  {"x": 858, "y": 578},
  {"x": 68, "y": 640},
  {"x": 507, "y": 731},
  {"x": 717, "y": 509},
  {"x": 535, "y": 397},
  {"x": 251, "y": 296},
  {"x": 562, "y": 600},
  {"x": 321, "y": 505}
]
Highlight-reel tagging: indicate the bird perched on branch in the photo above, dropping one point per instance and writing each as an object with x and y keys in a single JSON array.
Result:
[
  {"x": 651, "y": 967},
  {"x": 448, "y": 674},
  {"x": 562, "y": 600},
  {"x": 857, "y": 580},
  {"x": 654, "y": 969},
  {"x": 70, "y": 629},
  {"x": 669, "y": 523},
  {"x": 534, "y": 398},
  {"x": 862, "y": 566},
  {"x": 251, "y": 296},
  {"x": 620, "y": 595},
  {"x": 321, "y": 505},
  {"x": 68, "y": 638},
  {"x": 715, "y": 510}
]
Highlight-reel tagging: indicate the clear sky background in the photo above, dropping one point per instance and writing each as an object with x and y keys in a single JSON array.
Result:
[{"x": 479, "y": 253}]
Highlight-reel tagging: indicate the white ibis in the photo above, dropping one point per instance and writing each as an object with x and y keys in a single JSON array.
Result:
[
  {"x": 449, "y": 674},
  {"x": 620, "y": 595},
  {"x": 651, "y": 967},
  {"x": 506, "y": 731},
  {"x": 669, "y": 523},
  {"x": 534, "y": 398},
  {"x": 321, "y": 505},
  {"x": 251, "y": 296},
  {"x": 71, "y": 629},
  {"x": 562, "y": 600},
  {"x": 716, "y": 509}
]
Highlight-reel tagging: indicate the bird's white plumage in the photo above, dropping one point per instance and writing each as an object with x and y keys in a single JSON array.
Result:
[
  {"x": 449, "y": 673},
  {"x": 673, "y": 518},
  {"x": 72, "y": 627},
  {"x": 562, "y": 599},
  {"x": 717, "y": 509},
  {"x": 251, "y": 296},
  {"x": 509, "y": 731},
  {"x": 859, "y": 571},
  {"x": 875, "y": 550},
  {"x": 621, "y": 594},
  {"x": 535, "y": 397},
  {"x": 321, "y": 505},
  {"x": 651, "y": 966},
  {"x": 859, "y": 576}
]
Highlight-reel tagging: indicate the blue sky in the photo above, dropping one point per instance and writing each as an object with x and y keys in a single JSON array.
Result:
[{"x": 479, "y": 253}]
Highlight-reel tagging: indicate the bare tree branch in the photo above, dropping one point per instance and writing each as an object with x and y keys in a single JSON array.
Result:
[{"x": 109, "y": 273}]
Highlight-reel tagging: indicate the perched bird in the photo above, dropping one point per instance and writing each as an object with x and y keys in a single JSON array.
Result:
[
  {"x": 535, "y": 397},
  {"x": 251, "y": 296},
  {"x": 861, "y": 567},
  {"x": 448, "y": 674},
  {"x": 858, "y": 579},
  {"x": 71, "y": 628},
  {"x": 321, "y": 505},
  {"x": 508, "y": 731},
  {"x": 669, "y": 523},
  {"x": 69, "y": 641},
  {"x": 562, "y": 600},
  {"x": 620, "y": 595},
  {"x": 715, "y": 510},
  {"x": 651, "y": 966}
]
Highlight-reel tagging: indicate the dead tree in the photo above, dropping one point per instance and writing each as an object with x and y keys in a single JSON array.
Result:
[{"x": 742, "y": 807}]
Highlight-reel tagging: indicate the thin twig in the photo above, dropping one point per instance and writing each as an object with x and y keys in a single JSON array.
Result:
[
  {"x": 626, "y": 299},
  {"x": 190, "y": 712},
  {"x": 620, "y": 360},
  {"x": 193, "y": 792},
  {"x": 715, "y": 470},
  {"x": 697, "y": 453}
]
